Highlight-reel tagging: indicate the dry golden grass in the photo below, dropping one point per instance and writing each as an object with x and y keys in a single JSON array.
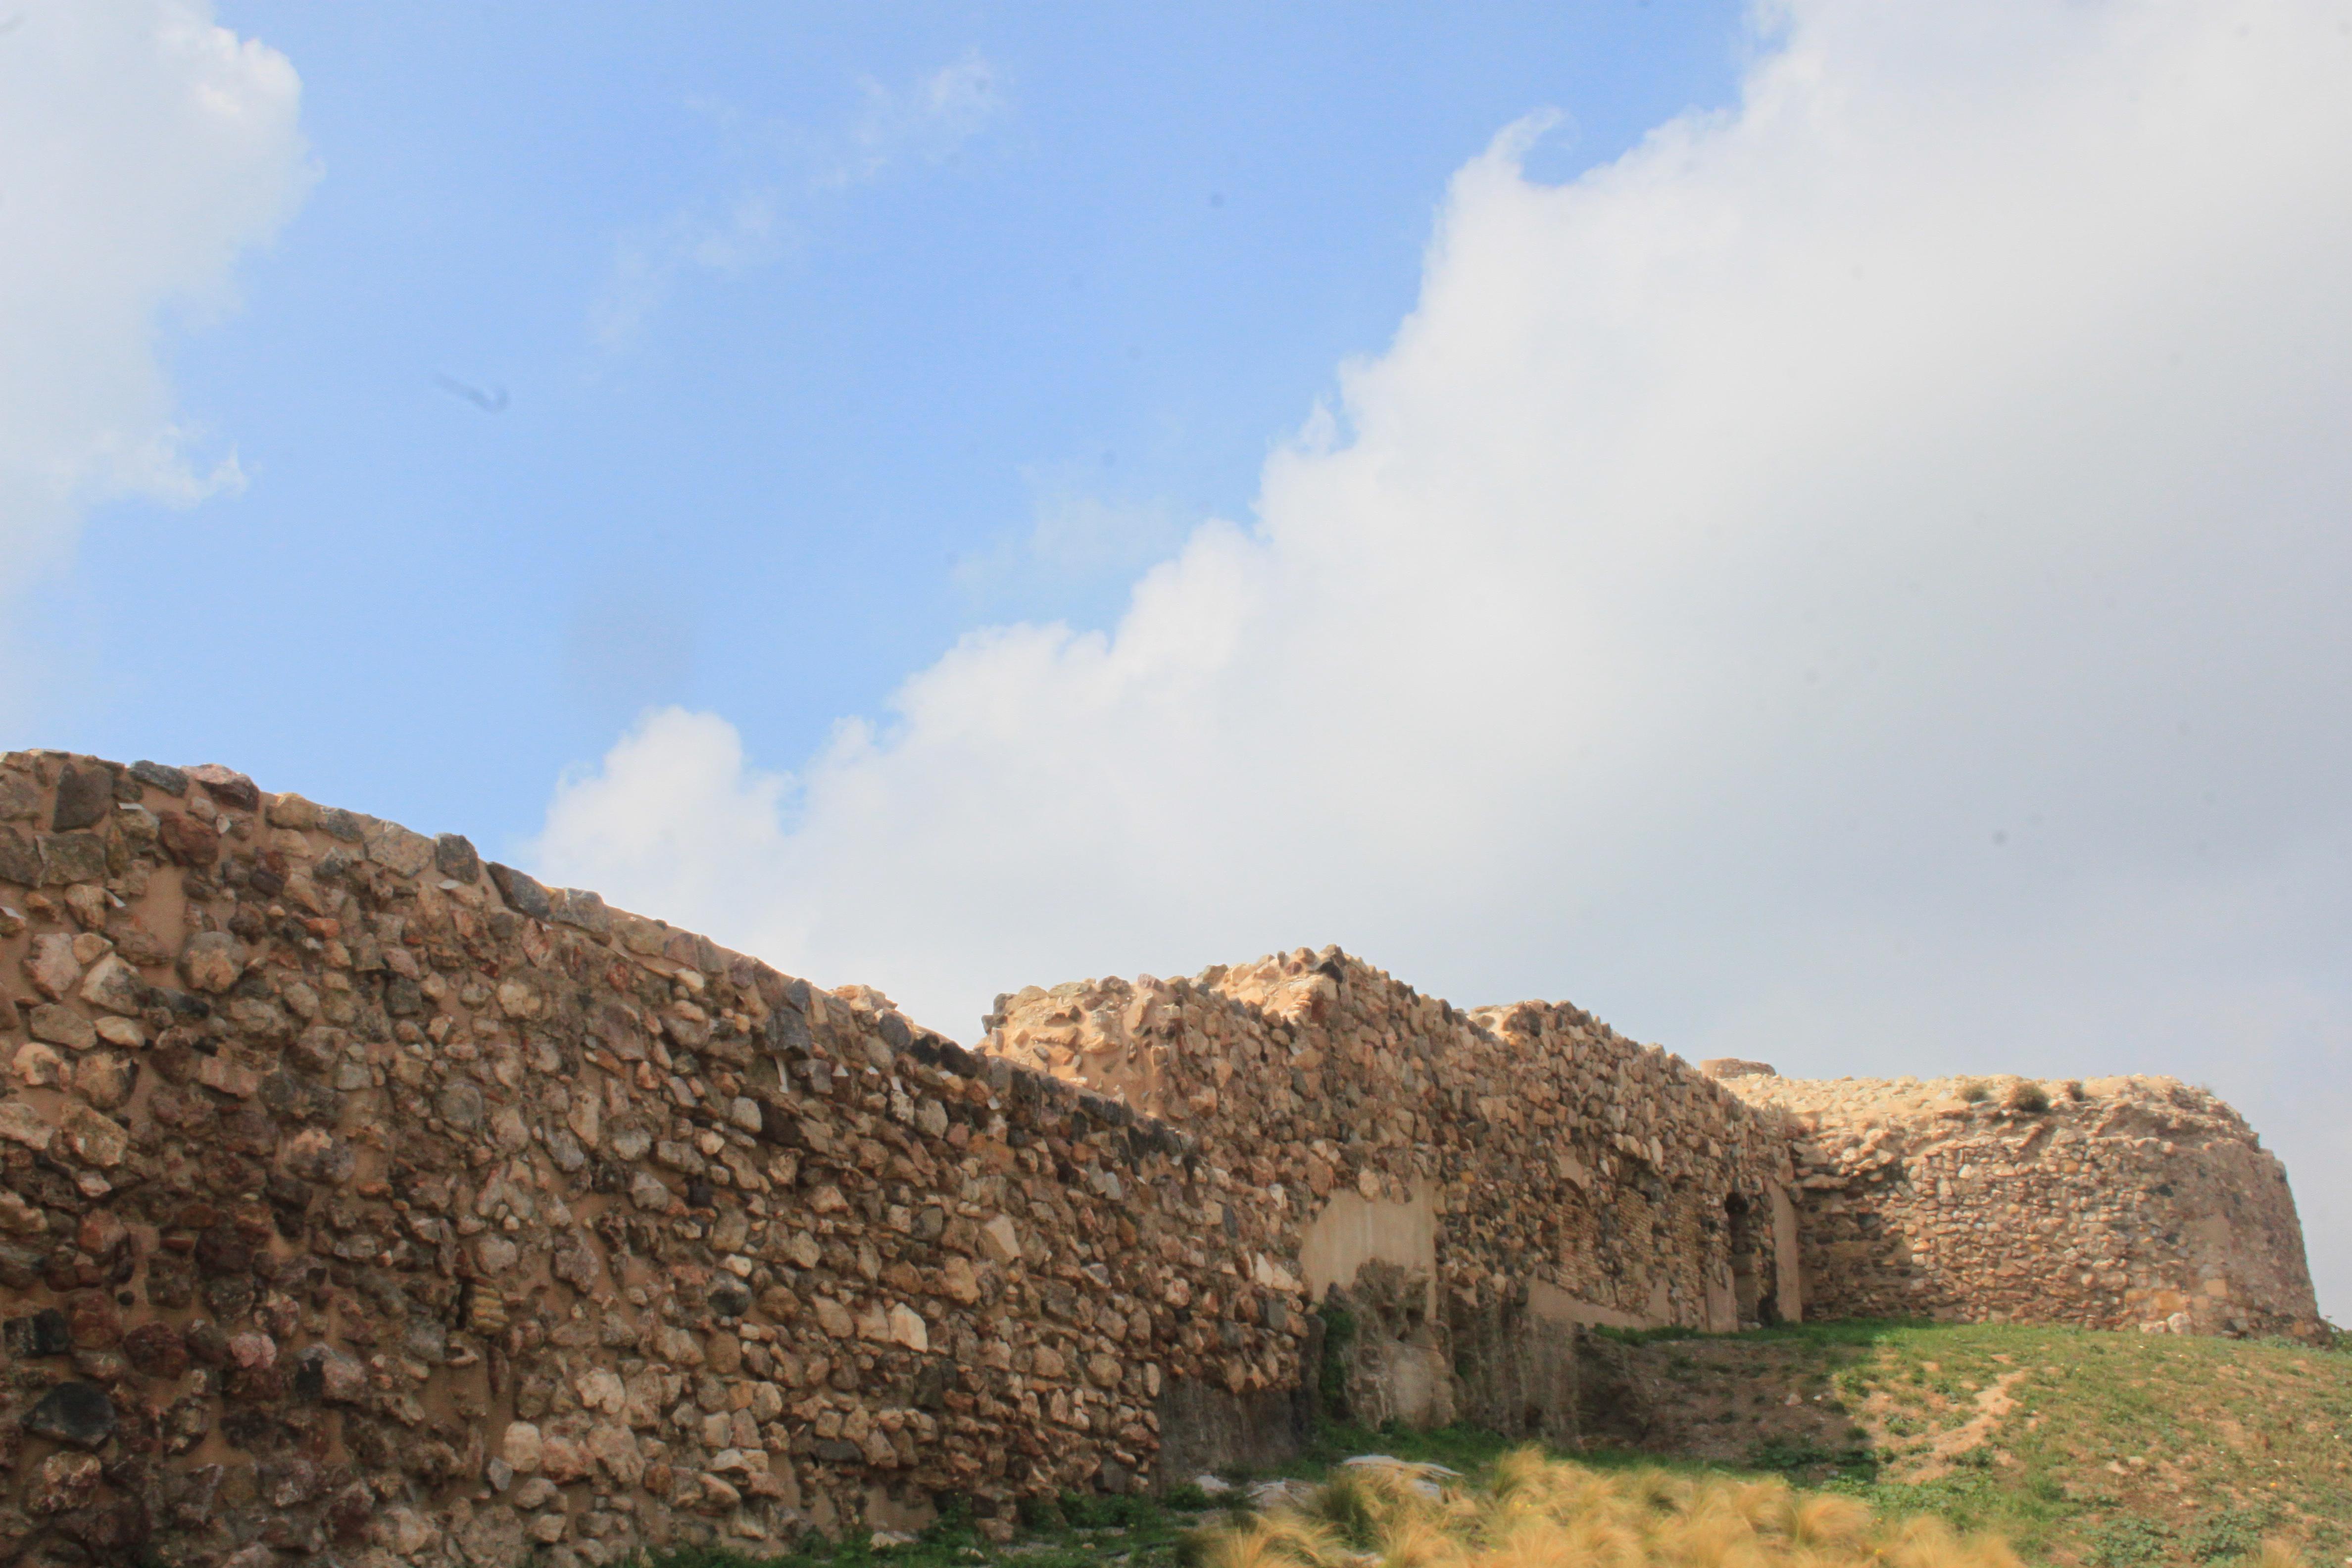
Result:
[{"x": 1537, "y": 1513}]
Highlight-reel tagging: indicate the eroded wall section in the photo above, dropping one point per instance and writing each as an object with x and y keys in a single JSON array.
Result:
[
  {"x": 1477, "y": 1185},
  {"x": 2113, "y": 1203}
]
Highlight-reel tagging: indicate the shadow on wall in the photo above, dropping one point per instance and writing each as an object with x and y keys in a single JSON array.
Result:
[{"x": 1518, "y": 1359}]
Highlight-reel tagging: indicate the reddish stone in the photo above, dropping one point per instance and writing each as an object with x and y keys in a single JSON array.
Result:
[{"x": 188, "y": 840}]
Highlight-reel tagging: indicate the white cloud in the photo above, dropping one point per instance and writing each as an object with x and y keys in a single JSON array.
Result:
[
  {"x": 146, "y": 149},
  {"x": 927, "y": 121},
  {"x": 1859, "y": 580}
]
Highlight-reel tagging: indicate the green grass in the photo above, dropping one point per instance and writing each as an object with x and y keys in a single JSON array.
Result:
[{"x": 2118, "y": 1449}]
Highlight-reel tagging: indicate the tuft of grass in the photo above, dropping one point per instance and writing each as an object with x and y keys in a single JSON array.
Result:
[
  {"x": 1974, "y": 1092},
  {"x": 1537, "y": 1511},
  {"x": 2027, "y": 1096}
]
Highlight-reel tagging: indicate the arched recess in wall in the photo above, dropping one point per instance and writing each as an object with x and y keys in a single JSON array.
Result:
[{"x": 1753, "y": 1267}]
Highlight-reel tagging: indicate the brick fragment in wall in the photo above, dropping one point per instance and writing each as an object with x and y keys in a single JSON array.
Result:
[{"x": 457, "y": 1214}]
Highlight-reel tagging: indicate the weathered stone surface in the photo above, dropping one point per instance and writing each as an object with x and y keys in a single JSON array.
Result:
[
  {"x": 70, "y": 857},
  {"x": 454, "y": 857},
  {"x": 61, "y": 1026},
  {"x": 227, "y": 786},
  {"x": 520, "y": 1447},
  {"x": 92, "y": 1138},
  {"x": 212, "y": 961},
  {"x": 157, "y": 1349},
  {"x": 156, "y": 775},
  {"x": 20, "y": 796},
  {"x": 1001, "y": 1240},
  {"x": 38, "y": 1066},
  {"x": 317, "y": 1155},
  {"x": 42, "y": 1333},
  {"x": 398, "y": 850},
  {"x": 460, "y": 1105},
  {"x": 494, "y": 1539},
  {"x": 522, "y": 893},
  {"x": 52, "y": 967},
  {"x": 114, "y": 985},
  {"x": 21, "y": 1123},
  {"x": 187, "y": 840},
  {"x": 20, "y": 858},
  {"x": 65, "y": 1481},
  {"x": 577, "y": 907},
  {"x": 76, "y": 1413},
  {"x": 85, "y": 798}
]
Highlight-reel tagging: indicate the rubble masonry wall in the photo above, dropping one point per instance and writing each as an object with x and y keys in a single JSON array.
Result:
[
  {"x": 356, "y": 1196},
  {"x": 2114, "y": 1203}
]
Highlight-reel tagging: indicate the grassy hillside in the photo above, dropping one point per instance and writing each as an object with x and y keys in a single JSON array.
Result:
[
  {"x": 2087, "y": 1450},
  {"x": 2083, "y": 1448}
]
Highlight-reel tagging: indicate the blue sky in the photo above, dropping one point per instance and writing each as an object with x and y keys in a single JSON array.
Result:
[
  {"x": 1093, "y": 290},
  {"x": 1817, "y": 534}
]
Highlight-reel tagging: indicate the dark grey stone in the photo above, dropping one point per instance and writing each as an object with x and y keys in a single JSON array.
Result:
[
  {"x": 459, "y": 1105},
  {"x": 229, "y": 786},
  {"x": 20, "y": 862},
  {"x": 85, "y": 796},
  {"x": 45, "y": 1333},
  {"x": 155, "y": 775},
  {"x": 337, "y": 822},
  {"x": 786, "y": 1029},
  {"x": 289, "y": 1094},
  {"x": 578, "y": 907},
  {"x": 76, "y": 1413},
  {"x": 778, "y": 1125},
  {"x": 179, "y": 1003},
  {"x": 523, "y": 895},
  {"x": 453, "y": 855},
  {"x": 69, "y": 858}
]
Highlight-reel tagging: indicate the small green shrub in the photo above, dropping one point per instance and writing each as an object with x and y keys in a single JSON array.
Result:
[{"x": 1338, "y": 1334}]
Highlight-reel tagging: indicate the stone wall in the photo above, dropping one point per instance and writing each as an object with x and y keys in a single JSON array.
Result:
[
  {"x": 1506, "y": 1174},
  {"x": 359, "y": 1197},
  {"x": 2112, "y": 1203},
  {"x": 362, "y": 1198}
]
